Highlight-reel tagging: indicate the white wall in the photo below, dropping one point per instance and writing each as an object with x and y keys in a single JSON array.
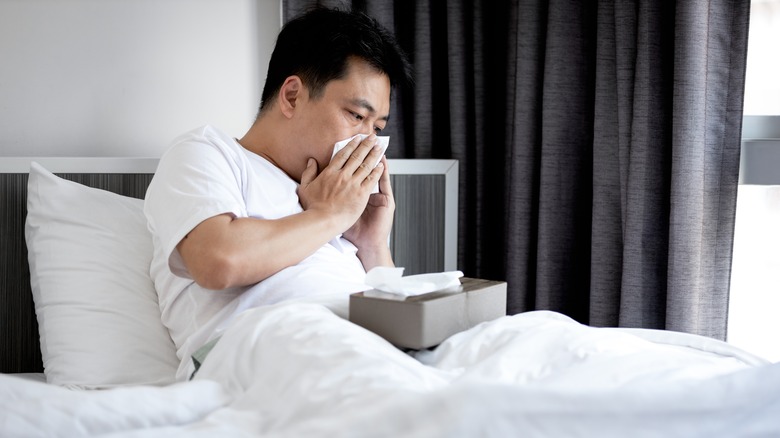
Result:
[{"x": 124, "y": 77}]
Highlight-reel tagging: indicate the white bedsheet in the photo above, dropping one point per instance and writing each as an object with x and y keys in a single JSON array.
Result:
[{"x": 297, "y": 369}]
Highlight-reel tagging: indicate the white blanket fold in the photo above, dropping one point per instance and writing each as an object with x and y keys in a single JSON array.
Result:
[{"x": 34, "y": 409}]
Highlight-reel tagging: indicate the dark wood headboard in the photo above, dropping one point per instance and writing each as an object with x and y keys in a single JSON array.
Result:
[{"x": 424, "y": 237}]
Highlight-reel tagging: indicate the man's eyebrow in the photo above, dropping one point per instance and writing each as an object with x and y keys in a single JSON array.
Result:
[{"x": 363, "y": 103}]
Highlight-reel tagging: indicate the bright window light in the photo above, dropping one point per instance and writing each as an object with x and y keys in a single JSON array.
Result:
[{"x": 762, "y": 81}]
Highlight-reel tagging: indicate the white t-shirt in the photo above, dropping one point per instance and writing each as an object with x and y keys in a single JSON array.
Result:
[{"x": 207, "y": 173}]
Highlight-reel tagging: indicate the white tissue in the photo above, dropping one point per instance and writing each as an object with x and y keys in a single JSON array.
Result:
[
  {"x": 389, "y": 281},
  {"x": 382, "y": 141}
]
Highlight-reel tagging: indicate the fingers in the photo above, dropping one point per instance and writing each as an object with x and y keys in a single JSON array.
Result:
[
  {"x": 345, "y": 153},
  {"x": 309, "y": 173},
  {"x": 374, "y": 175},
  {"x": 359, "y": 157},
  {"x": 384, "y": 178}
]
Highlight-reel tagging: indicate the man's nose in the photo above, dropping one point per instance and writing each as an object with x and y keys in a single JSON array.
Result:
[{"x": 367, "y": 128}]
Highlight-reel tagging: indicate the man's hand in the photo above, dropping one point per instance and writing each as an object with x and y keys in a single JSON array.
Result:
[
  {"x": 371, "y": 231},
  {"x": 342, "y": 189}
]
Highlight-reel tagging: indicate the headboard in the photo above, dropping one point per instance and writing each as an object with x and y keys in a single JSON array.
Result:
[{"x": 423, "y": 239}]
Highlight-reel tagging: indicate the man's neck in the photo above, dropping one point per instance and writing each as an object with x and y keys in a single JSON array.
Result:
[{"x": 263, "y": 140}]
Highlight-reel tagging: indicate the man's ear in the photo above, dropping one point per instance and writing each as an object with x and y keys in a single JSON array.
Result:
[{"x": 290, "y": 94}]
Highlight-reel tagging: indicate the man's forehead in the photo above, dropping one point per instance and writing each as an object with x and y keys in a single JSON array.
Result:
[{"x": 362, "y": 86}]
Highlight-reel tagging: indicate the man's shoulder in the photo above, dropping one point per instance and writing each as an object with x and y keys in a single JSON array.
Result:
[
  {"x": 205, "y": 142},
  {"x": 205, "y": 134}
]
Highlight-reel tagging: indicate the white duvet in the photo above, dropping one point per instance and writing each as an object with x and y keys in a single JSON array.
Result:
[{"x": 298, "y": 369}]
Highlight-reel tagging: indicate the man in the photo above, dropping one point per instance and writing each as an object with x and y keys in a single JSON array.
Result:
[{"x": 274, "y": 216}]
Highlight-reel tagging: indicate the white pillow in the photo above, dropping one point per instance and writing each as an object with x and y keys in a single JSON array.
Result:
[{"x": 89, "y": 252}]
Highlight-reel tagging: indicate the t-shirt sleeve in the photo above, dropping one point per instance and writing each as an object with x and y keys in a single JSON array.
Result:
[{"x": 195, "y": 180}]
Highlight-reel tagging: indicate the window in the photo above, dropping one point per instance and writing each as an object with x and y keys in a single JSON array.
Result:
[
  {"x": 754, "y": 304},
  {"x": 762, "y": 78}
]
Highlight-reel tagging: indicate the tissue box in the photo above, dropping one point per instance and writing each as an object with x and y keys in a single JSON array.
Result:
[{"x": 424, "y": 321}]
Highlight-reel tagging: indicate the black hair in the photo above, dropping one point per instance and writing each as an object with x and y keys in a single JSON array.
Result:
[{"x": 317, "y": 44}]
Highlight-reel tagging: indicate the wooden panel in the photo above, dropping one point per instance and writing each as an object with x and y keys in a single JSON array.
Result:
[
  {"x": 19, "y": 345},
  {"x": 417, "y": 240}
]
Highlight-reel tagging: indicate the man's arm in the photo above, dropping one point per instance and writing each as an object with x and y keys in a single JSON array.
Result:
[{"x": 224, "y": 251}]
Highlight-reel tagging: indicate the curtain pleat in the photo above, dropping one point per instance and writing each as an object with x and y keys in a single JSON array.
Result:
[
  {"x": 646, "y": 148},
  {"x": 710, "y": 49},
  {"x": 598, "y": 145},
  {"x": 527, "y": 30}
]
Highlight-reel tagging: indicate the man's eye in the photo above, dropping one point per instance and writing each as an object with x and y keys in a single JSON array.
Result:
[
  {"x": 356, "y": 116},
  {"x": 377, "y": 129}
]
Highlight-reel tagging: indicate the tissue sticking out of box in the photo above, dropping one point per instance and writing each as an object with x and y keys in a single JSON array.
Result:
[{"x": 390, "y": 283}]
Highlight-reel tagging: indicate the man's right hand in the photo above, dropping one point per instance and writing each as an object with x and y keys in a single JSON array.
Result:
[{"x": 342, "y": 189}]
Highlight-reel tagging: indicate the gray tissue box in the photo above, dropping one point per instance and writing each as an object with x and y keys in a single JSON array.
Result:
[{"x": 424, "y": 321}]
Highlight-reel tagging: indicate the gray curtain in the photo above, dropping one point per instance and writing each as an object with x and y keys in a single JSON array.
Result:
[{"x": 598, "y": 146}]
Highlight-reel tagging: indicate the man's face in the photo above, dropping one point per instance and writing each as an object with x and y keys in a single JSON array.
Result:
[{"x": 358, "y": 103}]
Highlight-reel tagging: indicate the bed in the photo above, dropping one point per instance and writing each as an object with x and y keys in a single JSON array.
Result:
[{"x": 76, "y": 299}]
